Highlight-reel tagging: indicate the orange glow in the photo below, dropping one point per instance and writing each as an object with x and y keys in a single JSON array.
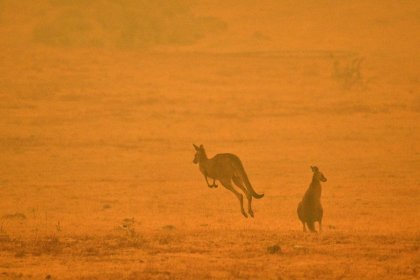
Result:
[{"x": 102, "y": 100}]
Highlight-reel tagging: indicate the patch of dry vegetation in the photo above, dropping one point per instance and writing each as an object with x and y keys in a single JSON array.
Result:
[
  {"x": 215, "y": 253},
  {"x": 117, "y": 24},
  {"x": 348, "y": 73}
]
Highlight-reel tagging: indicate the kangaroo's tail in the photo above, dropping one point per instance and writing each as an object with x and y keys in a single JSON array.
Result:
[
  {"x": 311, "y": 226},
  {"x": 244, "y": 177}
]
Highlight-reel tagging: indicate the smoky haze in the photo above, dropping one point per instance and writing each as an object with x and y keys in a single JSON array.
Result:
[
  {"x": 214, "y": 25},
  {"x": 101, "y": 102}
]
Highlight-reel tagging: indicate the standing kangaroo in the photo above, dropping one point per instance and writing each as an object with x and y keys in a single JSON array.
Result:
[
  {"x": 226, "y": 168},
  {"x": 310, "y": 209}
]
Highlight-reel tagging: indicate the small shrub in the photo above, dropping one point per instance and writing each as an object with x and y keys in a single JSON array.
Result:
[
  {"x": 14, "y": 216},
  {"x": 51, "y": 245},
  {"x": 131, "y": 238},
  {"x": 20, "y": 254},
  {"x": 106, "y": 206},
  {"x": 348, "y": 73},
  {"x": 275, "y": 249},
  {"x": 169, "y": 227}
]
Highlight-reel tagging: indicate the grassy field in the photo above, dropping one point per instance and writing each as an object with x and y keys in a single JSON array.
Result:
[
  {"x": 96, "y": 173},
  {"x": 98, "y": 182}
]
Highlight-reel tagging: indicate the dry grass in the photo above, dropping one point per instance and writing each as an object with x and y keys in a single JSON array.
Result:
[
  {"x": 124, "y": 203},
  {"x": 237, "y": 254},
  {"x": 96, "y": 174}
]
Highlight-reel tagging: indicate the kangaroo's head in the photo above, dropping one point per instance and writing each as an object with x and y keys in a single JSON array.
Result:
[
  {"x": 200, "y": 153},
  {"x": 318, "y": 174}
]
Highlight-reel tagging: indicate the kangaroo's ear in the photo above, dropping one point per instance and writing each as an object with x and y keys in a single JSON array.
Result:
[
  {"x": 201, "y": 146},
  {"x": 196, "y": 147}
]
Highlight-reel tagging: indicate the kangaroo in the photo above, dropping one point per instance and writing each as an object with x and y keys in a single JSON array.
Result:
[
  {"x": 226, "y": 168},
  {"x": 310, "y": 209}
]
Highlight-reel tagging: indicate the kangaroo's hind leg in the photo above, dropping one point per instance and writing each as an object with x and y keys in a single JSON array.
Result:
[
  {"x": 304, "y": 227},
  {"x": 321, "y": 214},
  {"x": 240, "y": 184},
  {"x": 228, "y": 185}
]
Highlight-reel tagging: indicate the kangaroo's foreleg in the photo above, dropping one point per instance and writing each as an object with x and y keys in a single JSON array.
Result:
[
  {"x": 210, "y": 186},
  {"x": 240, "y": 184},
  {"x": 207, "y": 181},
  {"x": 228, "y": 185}
]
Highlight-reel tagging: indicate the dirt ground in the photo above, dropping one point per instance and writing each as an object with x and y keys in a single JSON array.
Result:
[{"x": 96, "y": 173}]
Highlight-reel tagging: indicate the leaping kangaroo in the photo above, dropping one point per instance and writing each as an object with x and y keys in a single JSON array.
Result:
[{"x": 226, "y": 168}]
